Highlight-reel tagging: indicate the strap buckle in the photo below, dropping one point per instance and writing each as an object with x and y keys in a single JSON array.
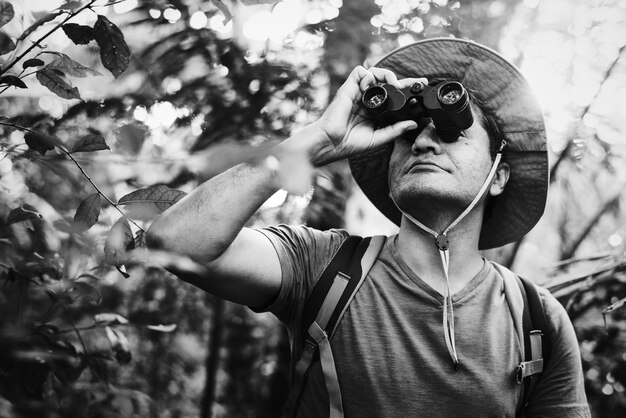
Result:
[{"x": 527, "y": 369}]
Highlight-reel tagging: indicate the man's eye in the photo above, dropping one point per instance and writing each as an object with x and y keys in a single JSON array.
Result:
[
  {"x": 409, "y": 136},
  {"x": 422, "y": 123}
]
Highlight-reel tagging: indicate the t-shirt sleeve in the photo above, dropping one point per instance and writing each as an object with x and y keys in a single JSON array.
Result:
[
  {"x": 303, "y": 253},
  {"x": 560, "y": 391}
]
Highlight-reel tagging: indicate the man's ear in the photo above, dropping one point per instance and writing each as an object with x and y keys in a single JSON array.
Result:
[{"x": 500, "y": 179}]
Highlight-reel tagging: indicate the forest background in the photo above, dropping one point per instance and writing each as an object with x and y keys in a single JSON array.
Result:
[{"x": 110, "y": 111}]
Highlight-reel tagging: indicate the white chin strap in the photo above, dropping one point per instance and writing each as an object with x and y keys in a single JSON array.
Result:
[{"x": 441, "y": 241}]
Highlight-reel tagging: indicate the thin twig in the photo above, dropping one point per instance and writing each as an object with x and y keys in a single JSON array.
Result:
[
  {"x": 9, "y": 85},
  {"x": 565, "y": 152},
  {"x": 591, "y": 257},
  {"x": 569, "y": 250},
  {"x": 115, "y": 2},
  {"x": 584, "y": 112},
  {"x": 82, "y": 170},
  {"x": 31, "y": 73},
  {"x": 48, "y": 312},
  {"x": 36, "y": 43},
  {"x": 82, "y": 342},
  {"x": 90, "y": 327}
]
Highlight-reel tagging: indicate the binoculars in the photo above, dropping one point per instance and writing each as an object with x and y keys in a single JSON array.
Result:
[{"x": 446, "y": 103}]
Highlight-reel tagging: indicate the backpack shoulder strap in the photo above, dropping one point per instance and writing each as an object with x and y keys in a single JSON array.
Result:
[
  {"x": 531, "y": 326},
  {"x": 327, "y": 303},
  {"x": 536, "y": 336},
  {"x": 339, "y": 263}
]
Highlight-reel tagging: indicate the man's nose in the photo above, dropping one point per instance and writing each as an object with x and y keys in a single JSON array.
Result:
[{"x": 426, "y": 141}]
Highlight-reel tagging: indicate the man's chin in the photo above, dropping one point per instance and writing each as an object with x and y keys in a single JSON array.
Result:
[
  {"x": 423, "y": 192},
  {"x": 427, "y": 199}
]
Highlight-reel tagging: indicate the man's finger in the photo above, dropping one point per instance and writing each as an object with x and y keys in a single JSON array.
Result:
[
  {"x": 367, "y": 80},
  {"x": 391, "y": 132},
  {"x": 352, "y": 86},
  {"x": 384, "y": 76},
  {"x": 406, "y": 82}
]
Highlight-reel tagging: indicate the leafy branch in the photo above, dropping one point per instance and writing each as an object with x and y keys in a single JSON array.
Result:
[
  {"x": 49, "y": 143},
  {"x": 570, "y": 142},
  {"x": 565, "y": 153},
  {"x": 82, "y": 343},
  {"x": 569, "y": 250},
  {"x": 571, "y": 285},
  {"x": 96, "y": 325},
  {"x": 37, "y": 43},
  {"x": 19, "y": 76}
]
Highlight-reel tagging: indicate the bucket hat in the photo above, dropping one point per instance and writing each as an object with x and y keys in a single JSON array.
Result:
[{"x": 506, "y": 95}]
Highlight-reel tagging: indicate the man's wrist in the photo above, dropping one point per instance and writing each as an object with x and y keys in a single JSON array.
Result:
[{"x": 313, "y": 142}]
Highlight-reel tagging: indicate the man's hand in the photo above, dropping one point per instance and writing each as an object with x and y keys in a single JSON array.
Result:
[{"x": 348, "y": 127}]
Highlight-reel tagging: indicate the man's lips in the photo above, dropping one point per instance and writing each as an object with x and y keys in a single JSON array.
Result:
[{"x": 426, "y": 164}]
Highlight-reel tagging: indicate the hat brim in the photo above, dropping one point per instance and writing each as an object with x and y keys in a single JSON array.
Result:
[{"x": 506, "y": 95}]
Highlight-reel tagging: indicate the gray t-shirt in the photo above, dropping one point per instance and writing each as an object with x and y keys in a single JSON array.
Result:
[{"x": 390, "y": 352}]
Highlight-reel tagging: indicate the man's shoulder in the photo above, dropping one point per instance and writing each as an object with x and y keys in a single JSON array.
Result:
[
  {"x": 302, "y": 232},
  {"x": 556, "y": 315}
]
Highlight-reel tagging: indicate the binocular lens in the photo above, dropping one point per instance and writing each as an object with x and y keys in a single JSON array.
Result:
[
  {"x": 375, "y": 101},
  {"x": 374, "y": 97},
  {"x": 451, "y": 97}
]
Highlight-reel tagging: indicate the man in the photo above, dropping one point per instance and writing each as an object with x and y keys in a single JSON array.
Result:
[{"x": 430, "y": 332}]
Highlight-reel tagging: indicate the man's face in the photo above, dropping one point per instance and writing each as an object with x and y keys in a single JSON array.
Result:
[{"x": 425, "y": 172}]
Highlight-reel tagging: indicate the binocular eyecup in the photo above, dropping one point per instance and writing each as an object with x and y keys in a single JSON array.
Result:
[{"x": 446, "y": 103}]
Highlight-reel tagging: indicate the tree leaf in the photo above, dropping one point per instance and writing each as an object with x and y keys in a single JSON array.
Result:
[
  {"x": 70, "y": 67},
  {"x": 114, "y": 52},
  {"x": 6, "y": 13},
  {"x": 33, "y": 62},
  {"x": 224, "y": 9},
  {"x": 157, "y": 198},
  {"x": 55, "y": 83},
  {"x": 20, "y": 214},
  {"x": 79, "y": 34},
  {"x": 140, "y": 239},
  {"x": 80, "y": 292},
  {"x": 41, "y": 267},
  {"x": 162, "y": 328},
  {"x": 88, "y": 276},
  {"x": 87, "y": 213},
  {"x": 98, "y": 367},
  {"x": 12, "y": 80},
  {"x": 122, "y": 271},
  {"x": 131, "y": 137},
  {"x": 42, "y": 20},
  {"x": 110, "y": 319},
  {"x": 255, "y": 2},
  {"x": 71, "y": 5},
  {"x": 119, "y": 242},
  {"x": 39, "y": 142},
  {"x": 6, "y": 44},
  {"x": 90, "y": 142},
  {"x": 119, "y": 344}
]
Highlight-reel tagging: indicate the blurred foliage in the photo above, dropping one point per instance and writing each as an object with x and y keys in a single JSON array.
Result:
[{"x": 110, "y": 118}]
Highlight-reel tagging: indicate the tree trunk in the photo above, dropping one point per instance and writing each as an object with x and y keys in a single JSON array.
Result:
[{"x": 213, "y": 358}]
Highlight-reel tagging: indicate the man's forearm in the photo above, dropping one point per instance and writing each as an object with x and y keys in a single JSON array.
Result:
[{"x": 204, "y": 223}]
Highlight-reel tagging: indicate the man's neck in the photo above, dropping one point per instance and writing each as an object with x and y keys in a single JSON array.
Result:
[{"x": 419, "y": 251}]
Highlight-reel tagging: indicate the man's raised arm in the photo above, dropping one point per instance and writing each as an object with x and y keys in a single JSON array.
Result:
[{"x": 208, "y": 224}]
